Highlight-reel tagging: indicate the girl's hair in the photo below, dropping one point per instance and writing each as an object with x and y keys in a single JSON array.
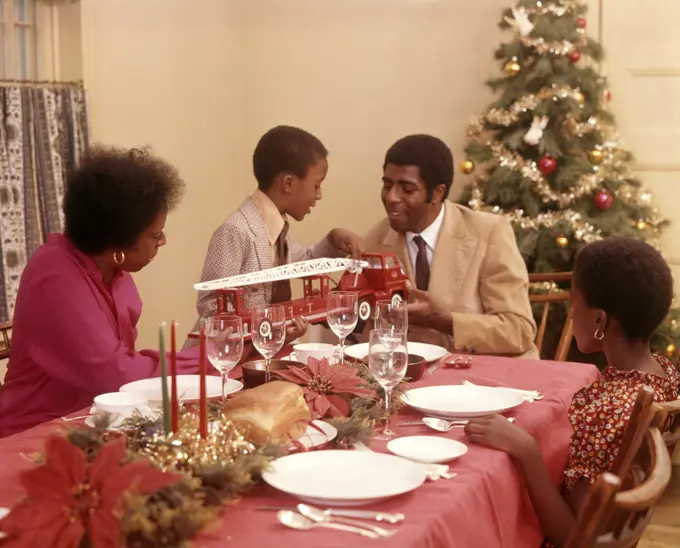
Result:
[{"x": 629, "y": 280}]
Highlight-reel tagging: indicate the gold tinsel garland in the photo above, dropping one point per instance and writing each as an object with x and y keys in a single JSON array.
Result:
[
  {"x": 556, "y": 7},
  {"x": 507, "y": 117},
  {"x": 613, "y": 167},
  {"x": 187, "y": 452},
  {"x": 558, "y": 47}
]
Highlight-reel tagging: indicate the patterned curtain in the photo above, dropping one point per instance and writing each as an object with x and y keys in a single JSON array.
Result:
[{"x": 43, "y": 134}]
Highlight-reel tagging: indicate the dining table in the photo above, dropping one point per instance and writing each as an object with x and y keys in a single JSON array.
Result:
[{"x": 485, "y": 504}]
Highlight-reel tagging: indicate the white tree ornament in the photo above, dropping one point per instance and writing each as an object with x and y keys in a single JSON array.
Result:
[
  {"x": 535, "y": 133},
  {"x": 521, "y": 21}
]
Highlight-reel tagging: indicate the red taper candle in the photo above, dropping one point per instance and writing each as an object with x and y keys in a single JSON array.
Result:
[{"x": 174, "y": 403}]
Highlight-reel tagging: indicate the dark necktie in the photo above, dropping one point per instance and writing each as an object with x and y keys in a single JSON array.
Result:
[
  {"x": 281, "y": 291},
  {"x": 422, "y": 264}
]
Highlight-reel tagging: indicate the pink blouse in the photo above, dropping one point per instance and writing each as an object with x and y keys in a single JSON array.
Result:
[{"x": 73, "y": 338}]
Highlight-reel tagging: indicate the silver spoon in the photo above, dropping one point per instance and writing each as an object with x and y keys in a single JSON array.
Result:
[
  {"x": 319, "y": 516},
  {"x": 442, "y": 425},
  {"x": 297, "y": 521}
]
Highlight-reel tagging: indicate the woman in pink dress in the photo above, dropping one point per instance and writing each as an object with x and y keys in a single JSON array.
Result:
[
  {"x": 621, "y": 291},
  {"x": 77, "y": 307}
]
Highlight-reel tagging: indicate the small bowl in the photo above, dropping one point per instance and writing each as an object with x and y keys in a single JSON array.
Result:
[
  {"x": 416, "y": 367},
  {"x": 254, "y": 372},
  {"x": 317, "y": 351}
]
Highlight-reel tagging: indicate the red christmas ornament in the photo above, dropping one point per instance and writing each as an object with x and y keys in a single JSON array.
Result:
[
  {"x": 607, "y": 95},
  {"x": 547, "y": 164},
  {"x": 603, "y": 200},
  {"x": 581, "y": 22},
  {"x": 574, "y": 55}
]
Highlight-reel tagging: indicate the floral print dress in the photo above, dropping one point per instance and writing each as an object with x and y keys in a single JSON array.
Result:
[{"x": 599, "y": 414}]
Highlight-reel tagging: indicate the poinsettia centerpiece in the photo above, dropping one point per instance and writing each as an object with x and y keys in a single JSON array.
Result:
[{"x": 328, "y": 389}]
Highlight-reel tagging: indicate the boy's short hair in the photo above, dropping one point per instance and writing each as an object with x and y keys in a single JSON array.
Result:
[
  {"x": 285, "y": 149},
  {"x": 629, "y": 280}
]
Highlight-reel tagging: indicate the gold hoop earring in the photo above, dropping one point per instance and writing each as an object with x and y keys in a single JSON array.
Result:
[
  {"x": 599, "y": 334},
  {"x": 119, "y": 257}
]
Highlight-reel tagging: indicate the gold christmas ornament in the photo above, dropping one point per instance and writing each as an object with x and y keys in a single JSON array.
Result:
[
  {"x": 467, "y": 166},
  {"x": 512, "y": 68},
  {"x": 670, "y": 350},
  {"x": 641, "y": 225},
  {"x": 579, "y": 97},
  {"x": 595, "y": 156},
  {"x": 562, "y": 241}
]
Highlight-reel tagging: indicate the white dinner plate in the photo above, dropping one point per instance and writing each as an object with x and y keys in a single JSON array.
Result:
[
  {"x": 458, "y": 400},
  {"x": 311, "y": 437},
  {"x": 188, "y": 388},
  {"x": 430, "y": 352},
  {"x": 3, "y": 513},
  {"x": 344, "y": 478},
  {"x": 428, "y": 449}
]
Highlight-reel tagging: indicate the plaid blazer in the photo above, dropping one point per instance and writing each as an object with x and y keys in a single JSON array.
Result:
[{"x": 240, "y": 245}]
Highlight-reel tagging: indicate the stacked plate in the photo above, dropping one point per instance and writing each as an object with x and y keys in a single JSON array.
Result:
[
  {"x": 430, "y": 352},
  {"x": 462, "y": 401},
  {"x": 344, "y": 478},
  {"x": 188, "y": 388}
]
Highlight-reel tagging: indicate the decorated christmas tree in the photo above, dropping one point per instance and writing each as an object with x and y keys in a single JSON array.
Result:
[{"x": 546, "y": 153}]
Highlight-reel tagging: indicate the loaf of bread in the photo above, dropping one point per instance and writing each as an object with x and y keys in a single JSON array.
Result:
[{"x": 274, "y": 412}]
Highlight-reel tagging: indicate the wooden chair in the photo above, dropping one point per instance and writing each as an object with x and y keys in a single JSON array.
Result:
[
  {"x": 547, "y": 299},
  {"x": 614, "y": 518},
  {"x": 642, "y": 416},
  {"x": 672, "y": 434},
  {"x": 6, "y": 331}
]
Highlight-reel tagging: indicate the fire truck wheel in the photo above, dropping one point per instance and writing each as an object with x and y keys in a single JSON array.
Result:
[
  {"x": 364, "y": 310},
  {"x": 396, "y": 299}
]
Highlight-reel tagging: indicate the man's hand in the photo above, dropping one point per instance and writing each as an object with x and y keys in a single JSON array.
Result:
[
  {"x": 296, "y": 330},
  {"x": 425, "y": 312},
  {"x": 347, "y": 242}
]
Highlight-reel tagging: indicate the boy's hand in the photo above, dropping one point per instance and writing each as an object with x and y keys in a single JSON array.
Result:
[
  {"x": 347, "y": 242},
  {"x": 297, "y": 329}
]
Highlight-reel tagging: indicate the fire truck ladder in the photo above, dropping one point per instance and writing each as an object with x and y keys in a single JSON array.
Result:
[{"x": 286, "y": 272}]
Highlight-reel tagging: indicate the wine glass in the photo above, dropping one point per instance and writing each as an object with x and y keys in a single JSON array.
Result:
[
  {"x": 224, "y": 345},
  {"x": 391, "y": 315},
  {"x": 387, "y": 362},
  {"x": 342, "y": 316},
  {"x": 269, "y": 333}
]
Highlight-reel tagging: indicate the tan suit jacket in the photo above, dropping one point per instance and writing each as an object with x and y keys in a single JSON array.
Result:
[{"x": 478, "y": 273}]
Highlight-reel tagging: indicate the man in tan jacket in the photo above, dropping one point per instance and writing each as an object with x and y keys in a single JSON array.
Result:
[{"x": 469, "y": 281}]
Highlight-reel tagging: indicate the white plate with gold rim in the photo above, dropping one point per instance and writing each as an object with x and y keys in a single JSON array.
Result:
[
  {"x": 312, "y": 438},
  {"x": 344, "y": 478}
]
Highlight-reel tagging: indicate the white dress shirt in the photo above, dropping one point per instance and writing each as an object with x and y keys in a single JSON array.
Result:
[{"x": 430, "y": 235}]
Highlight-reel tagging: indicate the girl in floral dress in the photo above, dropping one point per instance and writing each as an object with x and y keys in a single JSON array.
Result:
[{"x": 621, "y": 291}]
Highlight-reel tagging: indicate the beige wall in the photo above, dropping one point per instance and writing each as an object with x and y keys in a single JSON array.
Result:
[
  {"x": 644, "y": 71},
  {"x": 201, "y": 80},
  {"x": 170, "y": 74}
]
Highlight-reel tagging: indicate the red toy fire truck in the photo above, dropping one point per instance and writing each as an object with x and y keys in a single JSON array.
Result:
[{"x": 376, "y": 277}]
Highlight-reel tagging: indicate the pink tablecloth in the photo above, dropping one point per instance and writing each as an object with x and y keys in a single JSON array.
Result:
[{"x": 484, "y": 506}]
